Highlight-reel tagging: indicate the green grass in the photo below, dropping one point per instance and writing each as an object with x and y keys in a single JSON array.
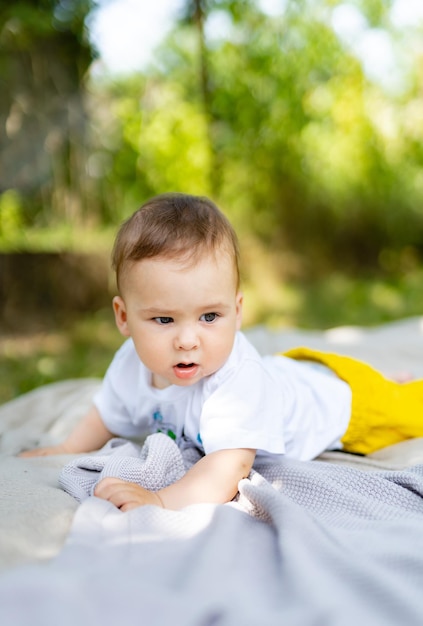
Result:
[
  {"x": 336, "y": 300},
  {"x": 341, "y": 301},
  {"x": 62, "y": 237},
  {"x": 85, "y": 347}
]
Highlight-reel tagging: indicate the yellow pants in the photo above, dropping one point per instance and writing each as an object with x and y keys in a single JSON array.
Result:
[{"x": 383, "y": 411}]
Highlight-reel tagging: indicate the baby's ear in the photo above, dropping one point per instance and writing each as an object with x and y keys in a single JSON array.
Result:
[{"x": 121, "y": 320}]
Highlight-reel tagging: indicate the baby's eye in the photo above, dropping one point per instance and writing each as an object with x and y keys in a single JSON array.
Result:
[
  {"x": 163, "y": 320},
  {"x": 209, "y": 317}
]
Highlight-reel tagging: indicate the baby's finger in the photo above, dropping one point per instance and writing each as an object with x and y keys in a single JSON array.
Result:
[{"x": 106, "y": 486}]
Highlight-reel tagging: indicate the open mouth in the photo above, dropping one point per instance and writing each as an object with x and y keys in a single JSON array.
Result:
[{"x": 185, "y": 371}]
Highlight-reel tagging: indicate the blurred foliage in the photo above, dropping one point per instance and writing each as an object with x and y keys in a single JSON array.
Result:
[
  {"x": 45, "y": 55},
  {"x": 11, "y": 221},
  {"x": 272, "y": 115},
  {"x": 83, "y": 349},
  {"x": 277, "y": 122}
]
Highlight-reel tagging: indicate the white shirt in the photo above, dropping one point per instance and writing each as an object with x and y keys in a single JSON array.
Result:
[{"x": 273, "y": 404}]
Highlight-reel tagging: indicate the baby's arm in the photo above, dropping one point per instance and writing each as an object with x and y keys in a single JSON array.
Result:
[
  {"x": 88, "y": 435},
  {"x": 213, "y": 479}
]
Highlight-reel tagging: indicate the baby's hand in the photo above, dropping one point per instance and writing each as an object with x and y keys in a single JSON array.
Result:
[
  {"x": 124, "y": 495},
  {"x": 46, "y": 451}
]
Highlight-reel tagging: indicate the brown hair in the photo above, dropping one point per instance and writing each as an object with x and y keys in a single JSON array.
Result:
[{"x": 174, "y": 225}]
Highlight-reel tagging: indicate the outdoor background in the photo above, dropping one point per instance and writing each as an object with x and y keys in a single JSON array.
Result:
[{"x": 301, "y": 119}]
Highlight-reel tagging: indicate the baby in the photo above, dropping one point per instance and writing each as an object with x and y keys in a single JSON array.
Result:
[{"x": 187, "y": 370}]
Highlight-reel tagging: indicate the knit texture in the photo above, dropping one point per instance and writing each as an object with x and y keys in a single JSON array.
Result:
[
  {"x": 307, "y": 543},
  {"x": 383, "y": 411},
  {"x": 344, "y": 494},
  {"x": 155, "y": 465}
]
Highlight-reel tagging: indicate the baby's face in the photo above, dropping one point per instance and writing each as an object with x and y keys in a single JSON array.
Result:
[{"x": 182, "y": 317}]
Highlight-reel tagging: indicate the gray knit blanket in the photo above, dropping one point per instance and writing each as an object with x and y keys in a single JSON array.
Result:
[
  {"x": 305, "y": 544},
  {"x": 157, "y": 464}
]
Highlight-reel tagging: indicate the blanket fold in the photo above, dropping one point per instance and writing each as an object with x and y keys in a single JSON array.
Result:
[
  {"x": 332, "y": 542},
  {"x": 306, "y": 543},
  {"x": 156, "y": 464}
]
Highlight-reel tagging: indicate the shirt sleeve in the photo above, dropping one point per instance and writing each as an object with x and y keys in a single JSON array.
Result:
[
  {"x": 116, "y": 398},
  {"x": 243, "y": 410}
]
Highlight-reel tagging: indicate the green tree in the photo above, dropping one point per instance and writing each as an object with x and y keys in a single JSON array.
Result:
[
  {"x": 294, "y": 130},
  {"x": 44, "y": 57}
]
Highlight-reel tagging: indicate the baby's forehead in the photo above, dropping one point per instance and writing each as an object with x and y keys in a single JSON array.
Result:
[{"x": 220, "y": 257}]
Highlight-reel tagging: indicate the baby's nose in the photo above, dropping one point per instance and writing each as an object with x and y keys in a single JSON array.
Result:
[{"x": 187, "y": 339}]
